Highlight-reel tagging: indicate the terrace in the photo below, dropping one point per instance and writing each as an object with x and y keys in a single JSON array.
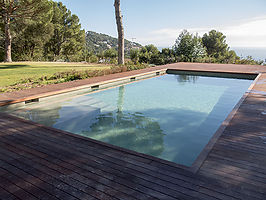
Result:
[{"x": 38, "y": 162}]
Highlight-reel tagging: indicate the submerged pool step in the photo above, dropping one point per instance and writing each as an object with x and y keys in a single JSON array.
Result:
[{"x": 73, "y": 115}]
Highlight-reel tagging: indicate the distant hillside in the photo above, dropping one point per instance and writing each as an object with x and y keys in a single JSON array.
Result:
[{"x": 98, "y": 42}]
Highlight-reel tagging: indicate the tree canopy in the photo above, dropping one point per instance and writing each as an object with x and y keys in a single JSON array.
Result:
[
  {"x": 45, "y": 30},
  {"x": 40, "y": 30},
  {"x": 211, "y": 48},
  {"x": 68, "y": 38},
  {"x": 189, "y": 46},
  {"x": 215, "y": 43},
  {"x": 15, "y": 11}
]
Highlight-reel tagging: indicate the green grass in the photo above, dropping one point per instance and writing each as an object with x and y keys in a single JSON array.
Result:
[{"x": 11, "y": 73}]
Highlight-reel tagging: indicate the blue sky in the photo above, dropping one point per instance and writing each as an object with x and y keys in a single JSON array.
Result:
[{"x": 160, "y": 21}]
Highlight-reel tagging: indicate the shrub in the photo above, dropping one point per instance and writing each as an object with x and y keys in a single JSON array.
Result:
[{"x": 93, "y": 59}]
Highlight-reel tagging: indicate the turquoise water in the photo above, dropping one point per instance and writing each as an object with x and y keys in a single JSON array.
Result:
[{"x": 171, "y": 117}]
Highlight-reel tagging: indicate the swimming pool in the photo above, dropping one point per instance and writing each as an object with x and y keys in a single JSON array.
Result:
[{"x": 171, "y": 117}]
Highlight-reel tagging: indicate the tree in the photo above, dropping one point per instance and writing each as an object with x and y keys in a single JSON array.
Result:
[
  {"x": 120, "y": 30},
  {"x": 189, "y": 47},
  {"x": 228, "y": 57},
  {"x": 149, "y": 54},
  {"x": 30, "y": 36},
  {"x": 154, "y": 54},
  {"x": 68, "y": 39},
  {"x": 134, "y": 55},
  {"x": 215, "y": 43},
  {"x": 110, "y": 55},
  {"x": 168, "y": 55},
  {"x": 199, "y": 51},
  {"x": 11, "y": 10},
  {"x": 249, "y": 61},
  {"x": 100, "y": 56},
  {"x": 144, "y": 56}
]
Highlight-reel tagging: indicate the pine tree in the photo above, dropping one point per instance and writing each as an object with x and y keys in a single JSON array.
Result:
[
  {"x": 189, "y": 47},
  {"x": 11, "y": 10},
  {"x": 215, "y": 42},
  {"x": 120, "y": 29},
  {"x": 68, "y": 39},
  {"x": 30, "y": 36}
]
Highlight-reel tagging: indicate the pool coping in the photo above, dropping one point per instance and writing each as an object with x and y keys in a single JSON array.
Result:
[
  {"x": 71, "y": 89},
  {"x": 204, "y": 153}
]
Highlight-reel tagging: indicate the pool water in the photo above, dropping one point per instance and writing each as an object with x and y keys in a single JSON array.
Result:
[{"x": 171, "y": 117}]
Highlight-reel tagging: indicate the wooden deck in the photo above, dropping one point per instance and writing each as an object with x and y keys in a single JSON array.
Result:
[{"x": 38, "y": 162}]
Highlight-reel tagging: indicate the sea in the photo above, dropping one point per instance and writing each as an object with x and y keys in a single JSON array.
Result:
[
  {"x": 256, "y": 53},
  {"x": 243, "y": 52}
]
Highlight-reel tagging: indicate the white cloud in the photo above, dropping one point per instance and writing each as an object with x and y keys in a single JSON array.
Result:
[{"x": 251, "y": 33}]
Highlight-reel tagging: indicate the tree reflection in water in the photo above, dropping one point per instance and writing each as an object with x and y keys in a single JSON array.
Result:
[
  {"x": 129, "y": 130},
  {"x": 186, "y": 78}
]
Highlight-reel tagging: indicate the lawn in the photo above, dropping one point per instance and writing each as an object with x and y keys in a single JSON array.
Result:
[{"x": 11, "y": 73}]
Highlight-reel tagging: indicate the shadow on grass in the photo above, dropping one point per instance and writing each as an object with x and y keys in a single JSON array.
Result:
[{"x": 12, "y": 66}]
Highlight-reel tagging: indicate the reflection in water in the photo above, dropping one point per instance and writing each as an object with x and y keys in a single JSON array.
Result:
[
  {"x": 121, "y": 98},
  {"x": 186, "y": 78},
  {"x": 155, "y": 116},
  {"x": 40, "y": 115},
  {"x": 129, "y": 130}
]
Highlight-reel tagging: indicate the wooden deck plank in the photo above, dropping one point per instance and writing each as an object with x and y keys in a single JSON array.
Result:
[
  {"x": 5, "y": 195},
  {"x": 233, "y": 161},
  {"x": 55, "y": 154},
  {"x": 59, "y": 190},
  {"x": 238, "y": 170},
  {"x": 35, "y": 181},
  {"x": 30, "y": 188},
  {"x": 102, "y": 150},
  {"x": 84, "y": 177},
  {"x": 251, "y": 171},
  {"x": 134, "y": 172},
  {"x": 255, "y": 157},
  {"x": 38, "y": 162},
  {"x": 75, "y": 188},
  {"x": 253, "y": 183},
  {"x": 14, "y": 189},
  {"x": 156, "y": 171},
  {"x": 140, "y": 179},
  {"x": 252, "y": 138},
  {"x": 243, "y": 145},
  {"x": 218, "y": 175}
]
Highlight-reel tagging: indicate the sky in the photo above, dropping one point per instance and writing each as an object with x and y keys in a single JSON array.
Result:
[{"x": 159, "y": 22}]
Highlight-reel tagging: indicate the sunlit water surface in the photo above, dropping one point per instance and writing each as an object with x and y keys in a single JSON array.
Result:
[{"x": 171, "y": 117}]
